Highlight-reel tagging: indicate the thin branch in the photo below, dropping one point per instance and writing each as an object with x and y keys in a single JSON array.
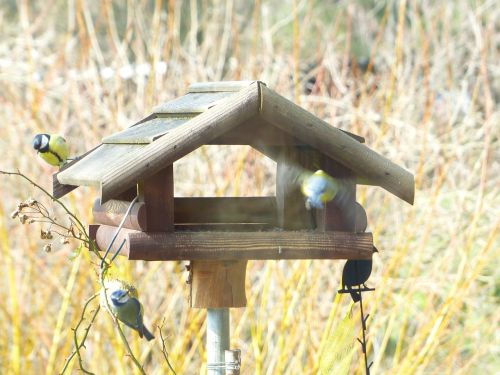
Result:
[
  {"x": 81, "y": 344},
  {"x": 164, "y": 350},
  {"x": 80, "y": 226},
  {"x": 117, "y": 232}
]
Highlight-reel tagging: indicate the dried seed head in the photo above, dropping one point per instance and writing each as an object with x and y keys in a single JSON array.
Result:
[
  {"x": 31, "y": 202},
  {"x": 21, "y": 205},
  {"x": 23, "y": 218},
  {"x": 64, "y": 240},
  {"x": 14, "y": 214},
  {"x": 47, "y": 248},
  {"x": 46, "y": 235}
]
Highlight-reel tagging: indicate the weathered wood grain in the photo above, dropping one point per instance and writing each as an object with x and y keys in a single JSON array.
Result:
[
  {"x": 218, "y": 284},
  {"x": 148, "y": 131},
  {"x": 192, "y": 102},
  {"x": 90, "y": 170},
  {"x": 223, "y": 246},
  {"x": 112, "y": 212},
  {"x": 157, "y": 192},
  {"x": 337, "y": 145}
]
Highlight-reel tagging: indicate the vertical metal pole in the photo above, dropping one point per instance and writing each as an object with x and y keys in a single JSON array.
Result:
[{"x": 217, "y": 340}]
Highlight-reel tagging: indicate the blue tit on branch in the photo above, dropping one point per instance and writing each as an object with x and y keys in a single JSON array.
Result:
[
  {"x": 125, "y": 306},
  {"x": 319, "y": 188},
  {"x": 52, "y": 148}
]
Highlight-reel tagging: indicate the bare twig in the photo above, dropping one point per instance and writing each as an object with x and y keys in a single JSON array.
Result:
[
  {"x": 81, "y": 344},
  {"x": 73, "y": 217},
  {"x": 164, "y": 350}
]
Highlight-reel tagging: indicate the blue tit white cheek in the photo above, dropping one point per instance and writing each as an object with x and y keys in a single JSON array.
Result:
[{"x": 45, "y": 142}]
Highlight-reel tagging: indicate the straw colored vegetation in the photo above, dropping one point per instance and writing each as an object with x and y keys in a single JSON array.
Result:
[{"x": 87, "y": 69}]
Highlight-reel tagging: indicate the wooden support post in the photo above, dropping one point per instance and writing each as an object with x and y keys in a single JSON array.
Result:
[
  {"x": 218, "y": 284},
  {"x": 157, "y": 192}
]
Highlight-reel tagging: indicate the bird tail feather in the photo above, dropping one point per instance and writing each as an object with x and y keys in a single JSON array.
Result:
[
  {"x": 148, "y": 335},
  {"x": 356, "y": 297}
]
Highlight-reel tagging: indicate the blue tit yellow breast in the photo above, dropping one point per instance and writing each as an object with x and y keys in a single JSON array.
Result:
[
  {"x": 50, "y": 158},
  {"x": 58, "y": 150}
]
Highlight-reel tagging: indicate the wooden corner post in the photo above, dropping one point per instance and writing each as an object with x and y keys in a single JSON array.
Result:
[{"x": 157, "y": 193}]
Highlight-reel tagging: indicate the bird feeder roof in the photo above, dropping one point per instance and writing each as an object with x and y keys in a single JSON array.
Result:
[{"x": 241, "y": 112}]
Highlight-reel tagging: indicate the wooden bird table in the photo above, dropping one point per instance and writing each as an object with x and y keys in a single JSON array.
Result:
[{"x": 219, "y": 235}]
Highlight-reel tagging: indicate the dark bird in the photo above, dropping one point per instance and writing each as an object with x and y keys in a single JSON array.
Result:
[{"x": 356, "y": 272}]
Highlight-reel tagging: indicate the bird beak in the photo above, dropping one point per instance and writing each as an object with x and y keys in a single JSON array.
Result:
[{"x": 375, "y": 250}]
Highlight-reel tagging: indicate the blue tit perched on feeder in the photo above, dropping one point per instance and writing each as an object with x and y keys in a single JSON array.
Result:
[
  {"x": 125, "y": 306},
  {"x": 52, "y": 148},
  {"x": 319, "y": 188}
]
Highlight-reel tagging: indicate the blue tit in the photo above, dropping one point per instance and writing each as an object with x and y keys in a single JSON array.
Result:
[
  {"x": 125, "y": 306},
  {"x": 52, "y": 148},
  {"x": 319, "y": 188}
]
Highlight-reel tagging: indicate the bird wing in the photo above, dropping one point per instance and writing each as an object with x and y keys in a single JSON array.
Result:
[
  {"x": 314, "y": 185},
  {"x": 345, "y": 193},
  {"x": 139, "y": 321},
  {"x": 58, "y": 146}
]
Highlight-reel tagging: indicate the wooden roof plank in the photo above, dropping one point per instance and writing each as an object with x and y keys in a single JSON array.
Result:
[
  {"x": 192, "y": 102},
  {"x": 220, "y": 86},
  {"x": 148, "y": 131},
  {"x": 143, "y": 162},
  {"x": 90, "y": 170},
  {"x": 336, "y": 144}
]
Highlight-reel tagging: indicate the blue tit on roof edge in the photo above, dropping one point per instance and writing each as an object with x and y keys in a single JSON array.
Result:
[
  {"x": 319, "y": 188},
  {"x": 52, "y": 148},
  {"x": 125, "y": 306}
]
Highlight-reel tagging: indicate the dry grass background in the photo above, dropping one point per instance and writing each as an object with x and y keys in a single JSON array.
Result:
[{"x": 87, "y": 69}]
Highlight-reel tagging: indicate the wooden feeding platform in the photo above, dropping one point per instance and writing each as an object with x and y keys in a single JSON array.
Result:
[{"x": 219, "y": 235}]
